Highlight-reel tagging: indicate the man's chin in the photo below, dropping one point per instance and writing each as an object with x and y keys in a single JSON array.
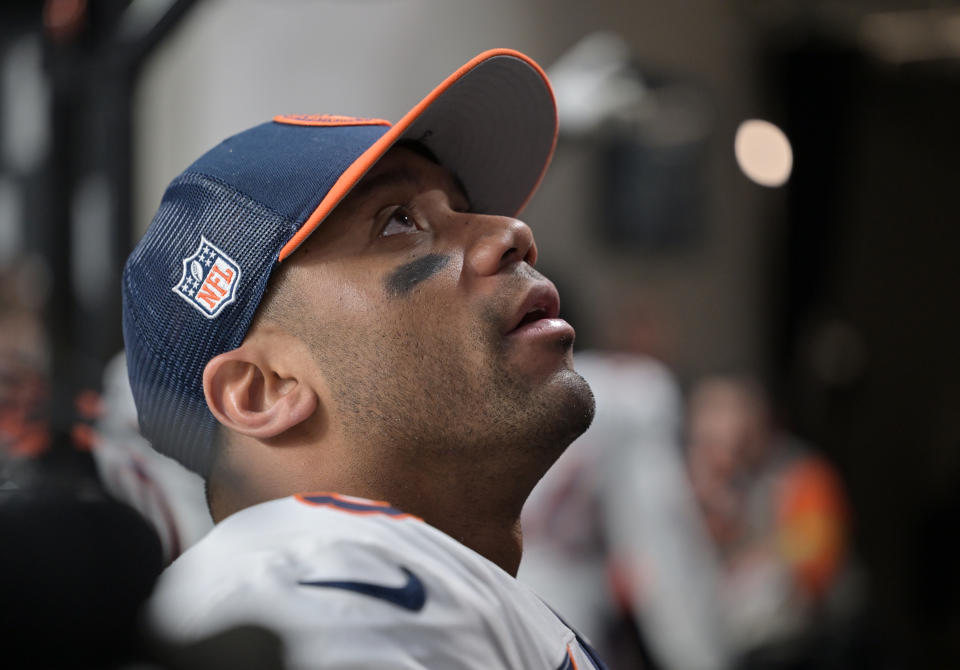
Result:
[
  {"x": 582, "y": 405},
  {"x": 570, "y": 407}
]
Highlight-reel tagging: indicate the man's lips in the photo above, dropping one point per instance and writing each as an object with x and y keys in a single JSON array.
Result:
[{"x": 538, "y": 312}]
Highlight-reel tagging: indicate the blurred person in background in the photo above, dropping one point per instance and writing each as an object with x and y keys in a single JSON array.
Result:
[
  {"x": 613, "y": 537},
  {"x": 23, "y": 370},
  {"x": 777, "y": 516},
  {"x": 75, "y": 565},
  {"x": 168, "y": 495},
  {"x": 733, "y": 558}
]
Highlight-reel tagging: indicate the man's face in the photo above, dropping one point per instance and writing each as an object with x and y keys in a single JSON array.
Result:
[{"x": 429, "y": 326}]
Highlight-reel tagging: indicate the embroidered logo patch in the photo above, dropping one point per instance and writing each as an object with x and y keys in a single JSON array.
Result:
[{"x": 209, "y": 280}]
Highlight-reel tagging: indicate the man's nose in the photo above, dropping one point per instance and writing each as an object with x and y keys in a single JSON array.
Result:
[{"x": 497, "y": 242}]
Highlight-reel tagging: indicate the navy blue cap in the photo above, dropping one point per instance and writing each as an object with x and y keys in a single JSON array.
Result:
[{"x": 192, "y": 285}]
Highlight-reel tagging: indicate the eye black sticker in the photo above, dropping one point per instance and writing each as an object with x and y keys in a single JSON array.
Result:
[{"x": 403, "y": 279}]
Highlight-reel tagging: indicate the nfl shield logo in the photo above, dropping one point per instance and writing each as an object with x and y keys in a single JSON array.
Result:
[{"x": 209, "y": 279}]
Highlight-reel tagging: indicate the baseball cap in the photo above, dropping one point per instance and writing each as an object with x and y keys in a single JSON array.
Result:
[{"x": 193, "y": 283}]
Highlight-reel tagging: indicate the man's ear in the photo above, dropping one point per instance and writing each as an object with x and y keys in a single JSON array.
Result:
[{"x": 256, "y": 394}]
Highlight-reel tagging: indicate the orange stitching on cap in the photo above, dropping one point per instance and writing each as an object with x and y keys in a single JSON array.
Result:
[
  {"x": 327, "y": 120},
  {"x": 368, "y": 158}
]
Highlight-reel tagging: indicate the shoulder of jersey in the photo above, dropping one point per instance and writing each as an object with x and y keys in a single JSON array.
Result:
[
  {"x": 343, "y": 575},
  {"x": 276, "y": 550}
]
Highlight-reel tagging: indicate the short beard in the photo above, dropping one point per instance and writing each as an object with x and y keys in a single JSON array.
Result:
[
  {"x": 444, "y": 410},
  {"x": 497, "y": 422}
]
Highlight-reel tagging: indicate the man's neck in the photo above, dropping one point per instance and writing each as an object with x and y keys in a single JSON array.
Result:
[
  {"x": 499, "y": 540},
  {"x": 479, "y": 509},
  {"x": 480, "y": 512}
]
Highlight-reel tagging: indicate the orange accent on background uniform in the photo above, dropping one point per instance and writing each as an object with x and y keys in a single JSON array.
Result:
[{"x": 812, "y": 521}]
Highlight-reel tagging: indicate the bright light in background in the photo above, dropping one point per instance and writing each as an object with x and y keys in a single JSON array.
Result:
[{"x": 763, "y": 152}]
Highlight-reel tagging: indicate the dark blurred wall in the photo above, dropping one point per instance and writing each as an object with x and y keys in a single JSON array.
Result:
[{"x": 867, "y": 334}]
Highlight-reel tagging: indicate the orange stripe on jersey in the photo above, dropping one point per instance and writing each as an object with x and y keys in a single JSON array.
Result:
[
  {"x": 352, "y": 499},
  {"x": 352, "y": 505},
  {"x": 573, "y": 661}
]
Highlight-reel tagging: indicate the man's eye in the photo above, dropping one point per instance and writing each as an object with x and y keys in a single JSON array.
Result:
[{"x": 400, "y": 221}]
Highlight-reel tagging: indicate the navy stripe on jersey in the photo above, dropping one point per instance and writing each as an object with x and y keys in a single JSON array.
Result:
[
  {"x": 567, "y": 662},
  {"x": 590, "y": 652},
  {"x": 587, "y": 649},
  {"x": 352, "y": 506}
]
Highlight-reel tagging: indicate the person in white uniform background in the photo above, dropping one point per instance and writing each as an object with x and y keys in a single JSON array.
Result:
[
  {"x": 328, "y": 312},
  {"x": 613, "y": 536}
]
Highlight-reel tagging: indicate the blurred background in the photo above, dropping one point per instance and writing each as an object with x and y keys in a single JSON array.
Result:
[{"x": 751, "y": 220}]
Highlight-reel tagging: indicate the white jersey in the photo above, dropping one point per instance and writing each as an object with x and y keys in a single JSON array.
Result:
[{"x": 352, "y": 583}]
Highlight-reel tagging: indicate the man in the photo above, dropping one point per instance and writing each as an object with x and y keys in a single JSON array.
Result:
[
  {"x": 777, "y": 516},
  {"x": 328, "y": 312}
]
